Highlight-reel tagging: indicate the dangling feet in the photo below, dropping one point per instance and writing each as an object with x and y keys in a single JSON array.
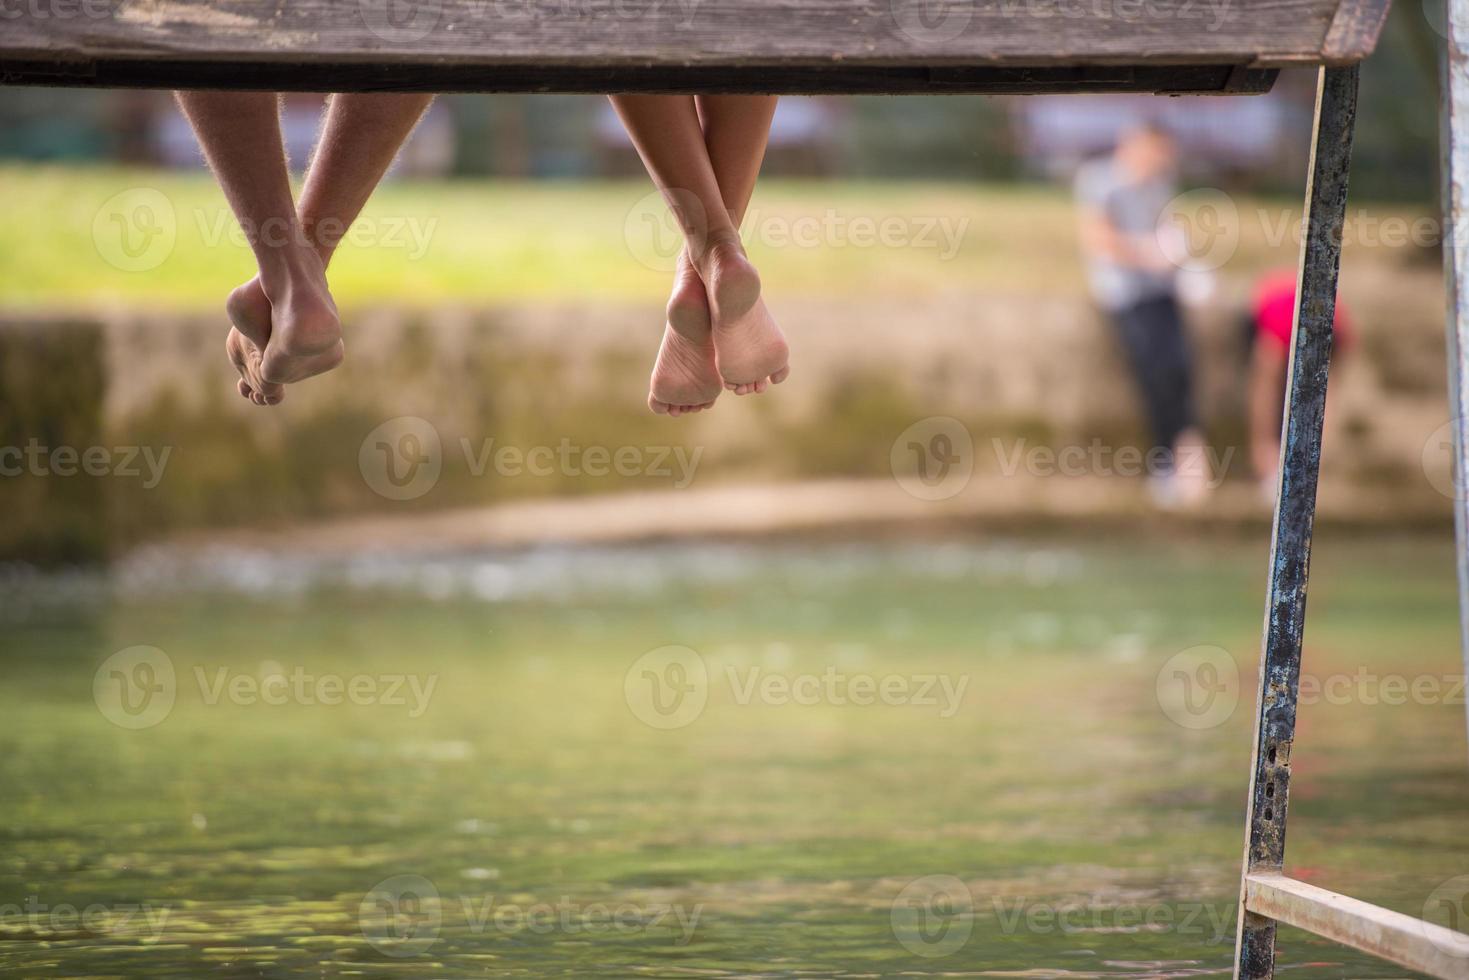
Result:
[
  {"x": 685, "y": 376},
  {"x": 249, "y": 313},
  {"x": 751, "y": 351},
  {"x": 285, "y": 332},
  {"x": 730, "y": 281}
]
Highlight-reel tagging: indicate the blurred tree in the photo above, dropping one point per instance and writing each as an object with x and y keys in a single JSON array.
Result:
[
  {"x": 952, "y": 137},
  {"x": 1396, "y": 153}
]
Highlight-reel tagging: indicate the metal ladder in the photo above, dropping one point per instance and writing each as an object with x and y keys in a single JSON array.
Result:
[{"x": 1267, "y": 896}]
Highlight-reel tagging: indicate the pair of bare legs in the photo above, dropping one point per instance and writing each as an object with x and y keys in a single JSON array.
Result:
[
  {"x": 704, "y": 153},
  {"x": 284, "y": 321}
]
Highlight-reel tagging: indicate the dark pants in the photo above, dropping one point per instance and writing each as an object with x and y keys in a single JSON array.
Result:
[{"x": 1153, "y": 339}]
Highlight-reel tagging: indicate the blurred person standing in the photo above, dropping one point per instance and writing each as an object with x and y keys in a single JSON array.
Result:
[{"x": 1121, "y": 198}]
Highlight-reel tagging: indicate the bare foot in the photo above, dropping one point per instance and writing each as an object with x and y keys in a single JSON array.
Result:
[
  {"x": 750, "y": 349},
  {"x": 685, "y": 376},
  {"x": 730, "y": 281},
  {"x": 249, "y": 313},
  {"x": 274, "y": 342},
  {"x": 305, "y": 331},
  {"x": 688, "y": 307}
]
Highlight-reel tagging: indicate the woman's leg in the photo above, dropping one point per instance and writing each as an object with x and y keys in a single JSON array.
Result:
[
  {"x": 240, "y": 135},
  {"x": 736, "y": 128},
  {"x": 705, "y": 158},
  {"x": 666, "y": 132},
  {"x": 752, "y": 350},
  {"x": 359, "y": 141}
]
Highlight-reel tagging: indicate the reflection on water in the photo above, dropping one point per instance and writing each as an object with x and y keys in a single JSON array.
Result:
[
  {"x": 858, "y": 760},
  {"x": 568, "y": 573}
]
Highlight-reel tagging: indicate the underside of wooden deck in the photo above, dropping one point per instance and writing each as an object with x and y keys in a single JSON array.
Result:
[
  {"x": 779, "y": 46},
  {"x": 783, "y": 79}
]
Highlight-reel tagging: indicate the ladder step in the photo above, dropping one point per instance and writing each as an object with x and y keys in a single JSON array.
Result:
[{"x": 1399, "y": 938}]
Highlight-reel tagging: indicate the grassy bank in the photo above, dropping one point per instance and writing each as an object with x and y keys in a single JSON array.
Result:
[
  {"x": 484, "y": 241},
  {"x": 493, "y": 241}
]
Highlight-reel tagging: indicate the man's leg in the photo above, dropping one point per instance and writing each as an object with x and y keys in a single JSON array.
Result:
[
  {"x": 1153, "y": 334},
  {"x": 359, "y": 141},
  {"x": 1179, "y": 424},
  {"x": 240, "y": 135}
]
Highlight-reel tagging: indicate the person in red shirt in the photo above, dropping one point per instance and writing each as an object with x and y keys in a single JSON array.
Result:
[{"x": 1272, "y": 318}]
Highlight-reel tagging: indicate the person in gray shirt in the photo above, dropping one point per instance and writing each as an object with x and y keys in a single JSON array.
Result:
[{"x": 1122, "y": 198}]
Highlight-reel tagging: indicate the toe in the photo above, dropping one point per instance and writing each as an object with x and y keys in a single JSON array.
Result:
[
  {"x": 780, "y": 375},
  {"x": 657, "y": 407},
  {"x": 761, "y": 385},
  {"x": 243, "y": 388}
]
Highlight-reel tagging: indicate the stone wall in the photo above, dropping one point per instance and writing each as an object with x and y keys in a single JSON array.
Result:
[{"x": 1038, "y": 368}]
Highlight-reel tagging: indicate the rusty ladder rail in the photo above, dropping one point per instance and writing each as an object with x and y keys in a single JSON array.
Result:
[{"x": 1267, "y": 897}]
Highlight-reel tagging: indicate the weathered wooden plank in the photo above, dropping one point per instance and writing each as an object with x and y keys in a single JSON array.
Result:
[
  {"x": 851, "y": 79},
  {"x": 1395, "y": 937},
  {"x": 1356, "y": 26},
  {"x": 1295, "y": 508},
  {"x": 753, "y": 34}
]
